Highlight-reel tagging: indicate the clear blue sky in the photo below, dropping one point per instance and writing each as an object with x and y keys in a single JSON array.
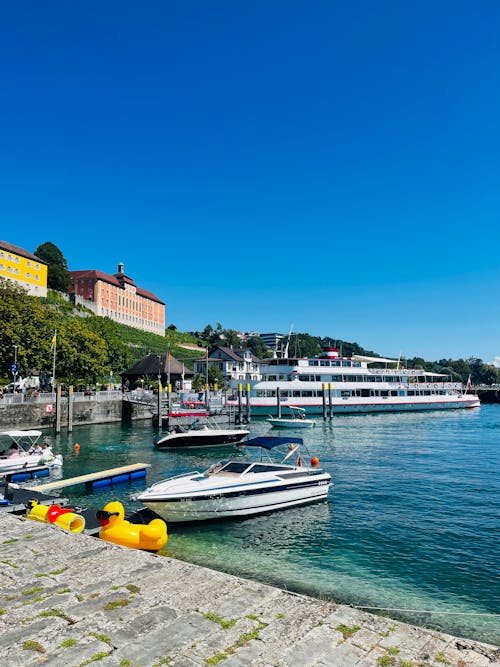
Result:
[{"x": 329, "y": 164}]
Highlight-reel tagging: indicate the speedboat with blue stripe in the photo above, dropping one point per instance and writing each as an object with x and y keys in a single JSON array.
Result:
[{"x": 241, "y": 488}]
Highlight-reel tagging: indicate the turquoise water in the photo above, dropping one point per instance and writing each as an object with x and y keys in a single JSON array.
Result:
[{"x": 413, "y": 520}]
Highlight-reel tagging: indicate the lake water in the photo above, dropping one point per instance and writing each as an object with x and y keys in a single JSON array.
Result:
[{"x": 412, "y": 524}]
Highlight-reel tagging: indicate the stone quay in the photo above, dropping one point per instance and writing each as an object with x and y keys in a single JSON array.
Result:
[{"x": 70, "y": 600}]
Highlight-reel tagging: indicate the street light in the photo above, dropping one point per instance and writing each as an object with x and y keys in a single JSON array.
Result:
[{"x": 14, "y": 367}]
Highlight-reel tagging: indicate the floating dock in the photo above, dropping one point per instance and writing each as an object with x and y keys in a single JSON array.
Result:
[
  {"x": 23, "y": 474},
  {"x": 98, "y": 479}
]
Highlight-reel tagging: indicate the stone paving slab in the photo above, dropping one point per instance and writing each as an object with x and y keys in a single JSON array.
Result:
[{"x": 70, "y": 600}]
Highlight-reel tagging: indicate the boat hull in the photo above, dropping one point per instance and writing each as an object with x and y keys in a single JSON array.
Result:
[
  {"x": 203, "y": 438},
  {"x": 20, "y": 463},
  {"x": 358, "y": 406},
  {"x": 219, "y": 505},
  {"x": 291, "y": 423}
]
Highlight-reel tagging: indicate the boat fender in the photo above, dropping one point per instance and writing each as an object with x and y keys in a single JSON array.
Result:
[{"x": 315, "y": 462}]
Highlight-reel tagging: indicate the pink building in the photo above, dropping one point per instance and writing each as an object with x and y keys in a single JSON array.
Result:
[{"x": 118, "y": 297}]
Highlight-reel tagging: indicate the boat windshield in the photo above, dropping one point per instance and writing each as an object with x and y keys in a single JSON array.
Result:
[{"x": 235, "y": 466}]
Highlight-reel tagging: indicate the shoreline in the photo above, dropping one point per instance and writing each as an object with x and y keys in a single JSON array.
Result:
[{"x": 69, "y": 598}]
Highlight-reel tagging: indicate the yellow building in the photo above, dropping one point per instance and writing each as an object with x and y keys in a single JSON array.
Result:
[{"x": 23, "y": 268}]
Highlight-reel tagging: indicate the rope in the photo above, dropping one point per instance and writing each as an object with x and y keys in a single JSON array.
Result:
[{"x": 428, "y": 611}]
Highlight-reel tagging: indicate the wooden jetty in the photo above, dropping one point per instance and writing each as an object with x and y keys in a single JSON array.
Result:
[{"x": 104, "y": 477}]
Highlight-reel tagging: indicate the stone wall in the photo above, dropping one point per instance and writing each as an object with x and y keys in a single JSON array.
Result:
[{"x": 34, "y": 415}]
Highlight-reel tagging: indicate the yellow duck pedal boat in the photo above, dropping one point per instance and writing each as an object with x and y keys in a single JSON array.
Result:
[{"x": 115, "y": 528}]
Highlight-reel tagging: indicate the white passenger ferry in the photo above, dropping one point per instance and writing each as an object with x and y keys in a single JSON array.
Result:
[{"x": 354, "y": 386}]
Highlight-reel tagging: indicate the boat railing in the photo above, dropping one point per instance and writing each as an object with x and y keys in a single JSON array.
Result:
[{"x": 50, "y": 397}]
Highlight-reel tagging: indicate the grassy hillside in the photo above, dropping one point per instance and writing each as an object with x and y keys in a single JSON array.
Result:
[{"x": 143, "y": 342}]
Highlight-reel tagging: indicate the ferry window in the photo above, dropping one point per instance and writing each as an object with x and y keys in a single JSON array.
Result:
[
  {"x": 335, "y": 363},
  {"x": 378, "y": 378},
  {"x": 304, "y": 378},
  {"x": 324, "y": 362},
  {"x": 346, "y": 363},
  {"x": 313, "y": 362},
  {"x": 345, "y": 394},
  {"x": 281, "y": 377},
  {"x": 357, "y": 364},
  {"x": 307, "y": 393},
  {"x": 272, "y": 378},
  {"x": 297, "y": 393},
  {"x": 394, "y": 393},
  {"x": 384, "y": 393},
  {"x": 336, "y": 378},
  {"x": 427, "y": 392},
  {"x": 365, "y": 392},
  {"x": 411, "y": 392},
  {"x": 285, "y": 393}
]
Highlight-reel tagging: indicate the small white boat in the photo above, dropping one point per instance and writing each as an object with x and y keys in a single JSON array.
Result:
[
  {"x": 198, "y": 435},
  {"x": 240, "y": 488},
  {"x": 19, "y": 450},
  {"x": 297, "y": 419}
]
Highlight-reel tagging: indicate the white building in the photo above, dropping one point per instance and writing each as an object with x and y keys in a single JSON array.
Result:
[{"x": 237, "y": 366}]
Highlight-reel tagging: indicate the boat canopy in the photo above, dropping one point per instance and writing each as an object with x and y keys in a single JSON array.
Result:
[
  {"x": 15, "y": 435},
  {"x": 374, "y": 360},
  {"x": 270, "y": 442}
]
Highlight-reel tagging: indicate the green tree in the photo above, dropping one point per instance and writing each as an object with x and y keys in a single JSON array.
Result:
[
  {"x": 303, "y": 345},
  {"x": 118, "y": 354},
  {"x": 215, "y": 376},
  {"x": 27, "y": 324},
  {"x": 230, "y": 338},
  {"x": 80, "y": 353},
  {"x": 258, "y": 347},
  {"x": 58, "y": 277}
]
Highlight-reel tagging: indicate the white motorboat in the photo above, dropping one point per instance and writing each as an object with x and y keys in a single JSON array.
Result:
[
  {"x": 240, "y": 488},
  {"x": 296, "y": 419},
  {"x": 20, "y": 450},
  {"x": 197, "y": 434}
]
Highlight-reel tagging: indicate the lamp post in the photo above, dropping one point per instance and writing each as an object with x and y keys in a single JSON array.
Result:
[{"x": 14, "y": 366}]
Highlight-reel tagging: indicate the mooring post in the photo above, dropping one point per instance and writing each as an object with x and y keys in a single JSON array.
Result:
[
  {"x": 70, "y": 408},
  {"x": 240, "y": 389},
  {"x": 330, "y": 405},
  {"x": 58, "y": 409},
  {"x": 160, "y": 389},
  {"x": 278, "y": 402},
  {"x": 323, "y": 386},
  {"x": 247, "y": 398}
]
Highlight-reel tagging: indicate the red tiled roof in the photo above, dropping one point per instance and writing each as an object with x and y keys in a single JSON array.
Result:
[
  {"x": 20, "y": 251},
  {"x": 94, "y": 274}
]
